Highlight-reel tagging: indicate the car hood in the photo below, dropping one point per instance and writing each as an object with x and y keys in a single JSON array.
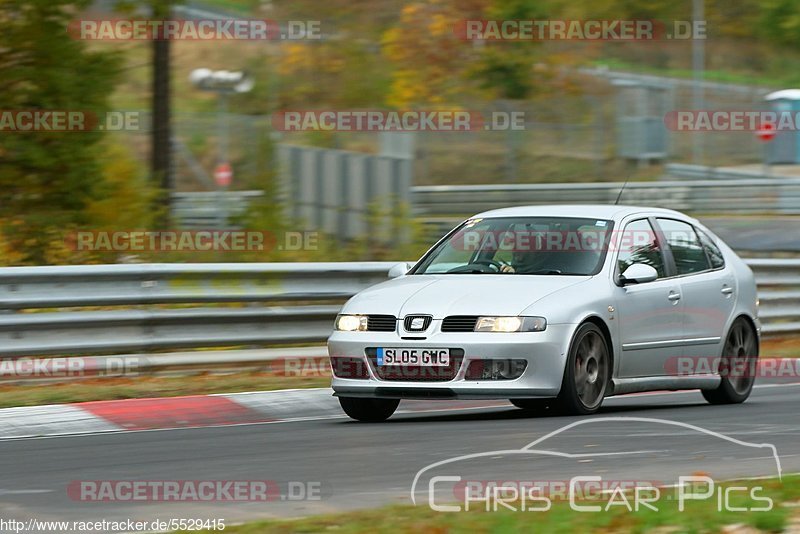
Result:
[{"x": 458, "y": 294}]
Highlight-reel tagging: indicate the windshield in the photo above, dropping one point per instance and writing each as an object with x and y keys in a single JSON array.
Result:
[{"x": 521, "y": 245}]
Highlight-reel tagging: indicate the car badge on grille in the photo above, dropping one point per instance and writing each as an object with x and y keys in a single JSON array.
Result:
[{"x": 417, "y": 323}]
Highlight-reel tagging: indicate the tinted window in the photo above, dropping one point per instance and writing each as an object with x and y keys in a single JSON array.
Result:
[
  {"x": 638, "y": 244},
  {"x": 689, "y": 254},
  {"x": 714, "y": 253}
]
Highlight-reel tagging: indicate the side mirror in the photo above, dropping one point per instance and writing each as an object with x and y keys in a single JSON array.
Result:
[
  {"x": 638, "y": 273},
  {"x": 398, "y": 270}
]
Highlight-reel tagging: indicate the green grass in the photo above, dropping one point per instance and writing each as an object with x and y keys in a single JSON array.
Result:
[
  {"x": 780, "y": 348},
  {"x": 699, "y": 516}
]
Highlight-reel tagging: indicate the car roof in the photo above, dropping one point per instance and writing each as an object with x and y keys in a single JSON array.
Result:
[{"x": 593, "y": 211}]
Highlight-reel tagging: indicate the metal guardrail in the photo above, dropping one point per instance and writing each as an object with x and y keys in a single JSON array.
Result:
[
  {"x": 779, "y": 293},
  {"x": 685, "y": 171},
  {"x": 202, "y": 210},
  {"x": 690, "y": 188},
  {"x": 740, "y": 196},
  {"x": 753, "y": 91},
  {"x": 53, "y": 310},
  {"x": 284, "y": 361},
  {"x": 47, "y": 306}
]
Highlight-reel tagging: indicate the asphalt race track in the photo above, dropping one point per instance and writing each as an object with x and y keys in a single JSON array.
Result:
[{"x": 365, "y": 465}]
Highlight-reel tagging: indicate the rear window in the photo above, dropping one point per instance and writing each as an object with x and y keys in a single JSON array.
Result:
[
  {"x": 714, "y": 253},
  {"x": 690, "y": 256}
]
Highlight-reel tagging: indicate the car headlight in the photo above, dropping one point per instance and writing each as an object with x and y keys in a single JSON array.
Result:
[
  {"x": 510, "y": 324},
  {"x": 351, "y": 323}
]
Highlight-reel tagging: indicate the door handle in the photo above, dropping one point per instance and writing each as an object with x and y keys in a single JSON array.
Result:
[
  {"x": 727, "y": 290},
  {"x": 674, "y": 296}
]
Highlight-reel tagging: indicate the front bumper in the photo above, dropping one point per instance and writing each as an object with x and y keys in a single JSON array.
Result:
[{"x": 545, "y": 353}]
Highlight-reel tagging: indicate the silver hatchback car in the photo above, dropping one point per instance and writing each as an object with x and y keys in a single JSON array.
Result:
[{"x": 553, "y": 307}]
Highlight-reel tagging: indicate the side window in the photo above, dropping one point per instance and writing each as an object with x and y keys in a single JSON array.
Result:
[
  {"x": 638, "y": 244},
  {"x": 713, "y": 251},
  {"x": 690, "y": 256}
]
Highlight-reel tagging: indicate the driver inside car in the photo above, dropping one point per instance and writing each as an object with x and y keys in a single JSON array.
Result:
[
  {"x": 553, "y": 258},
  {"x": 527, "y": 260}
]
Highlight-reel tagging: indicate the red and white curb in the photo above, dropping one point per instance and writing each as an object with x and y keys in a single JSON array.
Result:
[
  {"x": 160, "y": 413},
  {"x": 50, "y": 420},
  {"x": 192, "y": 412},
  {"x": 219, "y": 410}
]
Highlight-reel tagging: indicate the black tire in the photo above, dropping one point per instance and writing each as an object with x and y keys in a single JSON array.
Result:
[
  {"x": 740, "y": 353},
  {"x": 588, "y": 363},
  {"x": 368, "y": 410},
  {"x": 532, "y": 404}
]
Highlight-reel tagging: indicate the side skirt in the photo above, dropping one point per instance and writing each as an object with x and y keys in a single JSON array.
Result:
[{"x": 620, "y": 386}]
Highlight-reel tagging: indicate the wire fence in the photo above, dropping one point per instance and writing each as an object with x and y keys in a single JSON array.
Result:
[{"x": 568, "y": 137}]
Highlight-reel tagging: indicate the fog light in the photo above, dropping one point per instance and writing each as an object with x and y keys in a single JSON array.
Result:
[
  {"x": 503, "y": 369},
  {"x": 349, "y": 368}
]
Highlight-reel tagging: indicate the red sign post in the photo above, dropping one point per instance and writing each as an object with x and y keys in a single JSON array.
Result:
[
  {"x": 223, "y": 174},
  {"x": 766, "y": 132}
]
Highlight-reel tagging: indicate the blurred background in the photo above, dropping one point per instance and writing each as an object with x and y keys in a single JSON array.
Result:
[
  {"x": 184, "y": 154},
  {"x": 594, "y": 118}
]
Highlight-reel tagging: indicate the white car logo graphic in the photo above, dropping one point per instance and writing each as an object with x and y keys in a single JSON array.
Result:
[{"x": 417, "y": 323}]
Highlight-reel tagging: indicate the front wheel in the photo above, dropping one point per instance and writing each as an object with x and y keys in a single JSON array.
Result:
[
  {"x": 368, "y": 410},
  {"x": 737, "y": 366},
  {"x": 586, "y": 375}
]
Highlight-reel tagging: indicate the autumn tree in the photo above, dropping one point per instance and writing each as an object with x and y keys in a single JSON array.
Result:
[
  {"x": 780, "y": 21},
  {"x": 47, "y": 179},
  {"x": 427, "y": 56}
]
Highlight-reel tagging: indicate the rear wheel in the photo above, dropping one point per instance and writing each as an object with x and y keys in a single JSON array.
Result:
[
  {"x": 737, "y": 366},
  {"x": 586, "y": 375},
  {"x": 368, "y": 410}
]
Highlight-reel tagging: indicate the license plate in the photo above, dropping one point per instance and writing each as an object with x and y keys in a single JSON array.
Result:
[{"x": 416, "y": 357}]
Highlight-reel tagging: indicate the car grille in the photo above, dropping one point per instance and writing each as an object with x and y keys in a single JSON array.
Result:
[
  {"x": 381, "y": 323},
  {"x": 459, "y": 323},
  {"x": 411, "y": 373}
]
